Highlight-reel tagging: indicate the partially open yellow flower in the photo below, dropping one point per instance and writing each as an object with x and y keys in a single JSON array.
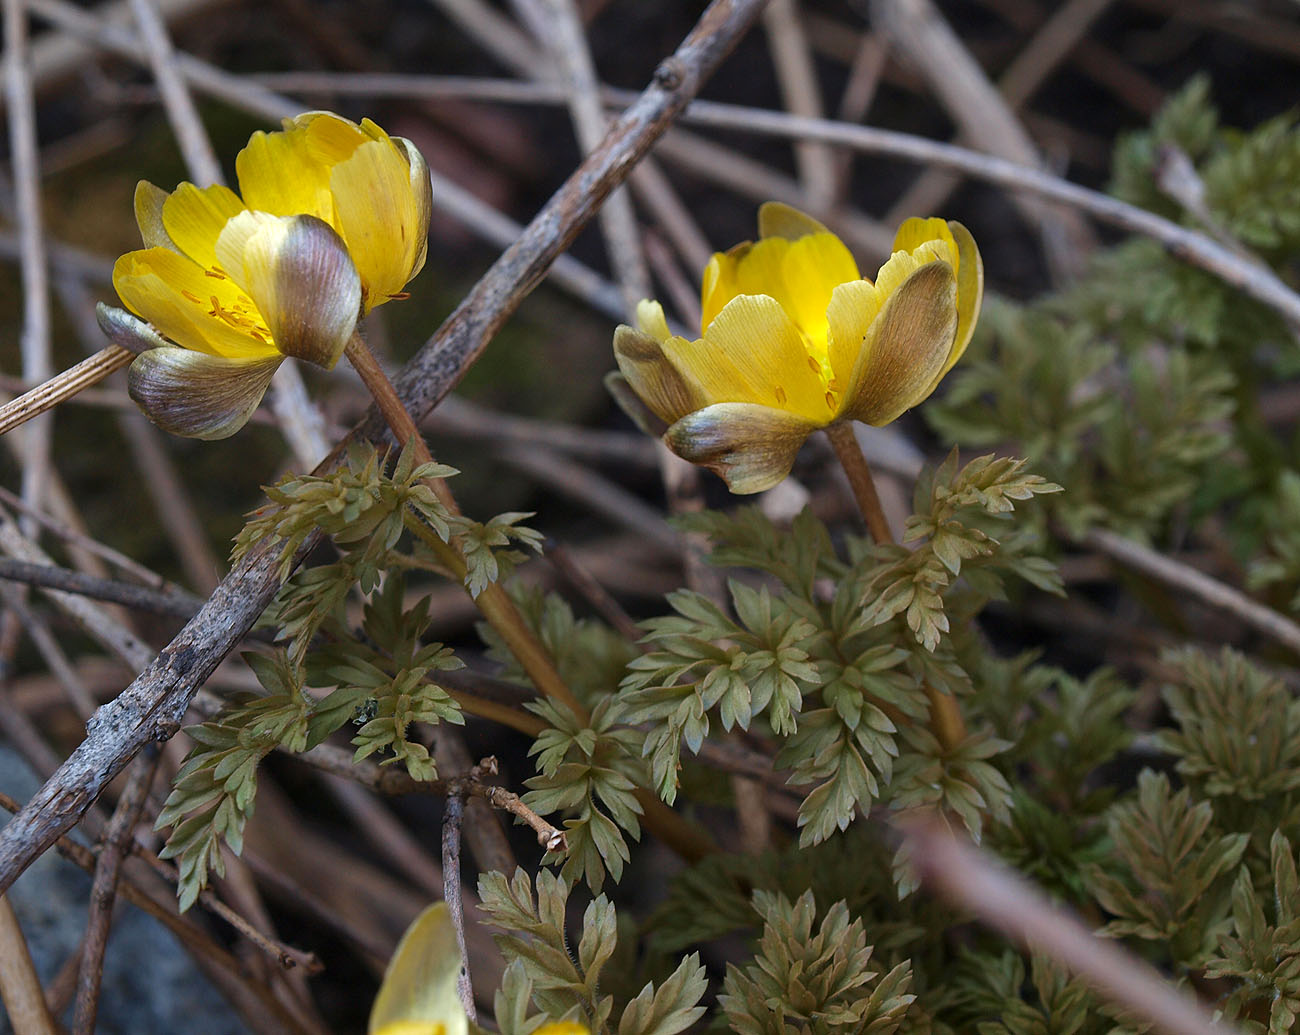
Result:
[
  {"x": 795, "y": 339},
  {"x": 333, "y": 221}
]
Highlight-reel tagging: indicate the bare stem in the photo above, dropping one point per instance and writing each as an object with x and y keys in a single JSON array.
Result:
[
  {"x": 946, "y": 722},
  {"x": 849, "y": 454}
]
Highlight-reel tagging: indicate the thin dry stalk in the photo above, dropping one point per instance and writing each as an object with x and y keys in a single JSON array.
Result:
[
  {"x": 187, "y": 127},
  {"x": 175, "y": 603},
  {"x": 158, "y": 901},
  {"x": 103, "y": 892},
  {"x": 94, "y": 619},
  {"x": 51, "y": 652},
  {"x": 487, "y": 839},
  {"x": 20, "y": 988},
  {"x": 62, "y": 386},
  {"x": 1201, "y": 587},
  {"x": 917, "y": 29},
  {"x": 455, "y": 810},
  {"x": 567, "y": 38},
  {"x": 34, "y": 341},
  {"x": 792, "y": 59},
  {"x": 970, "y": 879}
]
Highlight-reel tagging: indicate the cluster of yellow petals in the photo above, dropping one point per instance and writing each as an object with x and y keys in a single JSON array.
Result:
[
  {"x": 331, "y": 220},
  {"x": 793, "y": 339}
]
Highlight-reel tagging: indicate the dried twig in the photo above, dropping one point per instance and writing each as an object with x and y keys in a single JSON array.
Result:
[
  {"x": 161, "y": 905},
  {"x": 20, "y": 988},
  {"x": 173, "y": 602},
  {"x": 595, "y": 594},
  {"x": 455, "y": 810},
  {"x": 103, "y": 892},
  {"x": 970, "y": 879},
  {"x": 62, "y": 386},
  {"x": 1204, "y": 588},
  {"x": 35, "y": 340}
]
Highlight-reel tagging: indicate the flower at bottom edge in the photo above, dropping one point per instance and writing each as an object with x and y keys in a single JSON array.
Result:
[
  {"x": 280, "y": 286},
  {"x": 793, "y": 340}
]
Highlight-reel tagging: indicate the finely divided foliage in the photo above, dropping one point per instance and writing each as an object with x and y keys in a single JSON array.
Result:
[{"x": 1130, "y": 389}]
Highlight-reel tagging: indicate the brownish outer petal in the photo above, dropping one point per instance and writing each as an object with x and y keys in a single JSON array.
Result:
[
  {"x": 906, "y": 347},
  {"x": 128, "y": 330},
  {"x": 198, "y": 395},
  {"x": 303, "y": 281},
  {"x": 750, "y": 446},
  {"x": 663, "y": 388}
]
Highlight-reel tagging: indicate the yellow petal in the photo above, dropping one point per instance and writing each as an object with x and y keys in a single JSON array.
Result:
[
  {"x": 197, "y": 395},
  {"x": 281, "y": 173},
  {"x": 906, "y": 346},
  {"x": 752, "y": 352},
  {"x": 195, "y": 308},
  {"x": 422, "y": 192},
  {"x": 650, "y": 319},
  {"x": 777, "y": 219},
  {"x": 717, "y": 286},
  {"x": 915, "y": 232},
  {"x": 750, "y": 447},
  {"x": 668, "y": 392},
  {"x": 379, "y": 217},
  {"x": 413, "y": 1028},
  {"x": 852, "y": 309},
  {"x": 301, "y": 278},
  {"x": 420, "y": 982},
  {"x": 811, "y": 270},
  {"x": 901, "y": 265},
  {"x": 562, "y": 1028},
  {"x": 149, "y": 201},
  {"x": 970, "y": 290},
  {"x": 633, "y": 405},
  {"x": 193, "y": 218},
  {"x": 747, "y": 269}
]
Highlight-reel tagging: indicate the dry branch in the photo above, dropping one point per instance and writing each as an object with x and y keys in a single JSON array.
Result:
[{"x": 155, "y": 703}]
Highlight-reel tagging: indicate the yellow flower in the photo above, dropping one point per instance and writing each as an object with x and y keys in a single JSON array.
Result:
[
  {"x": 794, "y": 339},
  {"x": 418, "y": 995},
  {"x": 333, "y": 221}
]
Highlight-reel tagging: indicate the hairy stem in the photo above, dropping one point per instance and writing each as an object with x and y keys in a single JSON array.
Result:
[{"x": 946, "y": 722}]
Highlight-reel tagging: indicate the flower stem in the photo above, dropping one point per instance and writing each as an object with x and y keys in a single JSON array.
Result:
[
  {"x": 500, "y": 611},
  {"x": 946, "y": 722},
  {"x": 849, "y": 454}
]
